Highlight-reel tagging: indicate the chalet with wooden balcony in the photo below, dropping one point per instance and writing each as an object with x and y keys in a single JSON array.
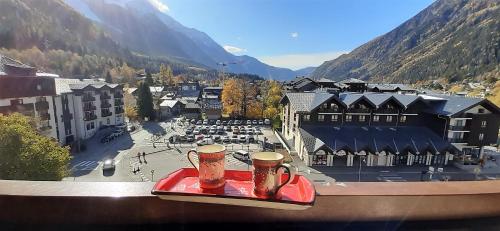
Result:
[{"x": 387, "y": 129}]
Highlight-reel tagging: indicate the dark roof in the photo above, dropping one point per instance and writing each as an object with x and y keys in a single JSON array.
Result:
[
  {"x": 6, "y": 61},
  {"x": 390, "y": 86},
  {"x": 351, "y": 80},
  {"x": 307, "y": 101},
  {"x": 439, "y": 104},
  {"x": 192, "y": 106},
  {"x": 373, "y": 139},
  {"x": 325, "y": 80}
]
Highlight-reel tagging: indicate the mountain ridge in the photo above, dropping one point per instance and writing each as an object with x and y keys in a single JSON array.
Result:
[
  {"x": 139, "y": 16},
  {"x": 450, "y": 40}
]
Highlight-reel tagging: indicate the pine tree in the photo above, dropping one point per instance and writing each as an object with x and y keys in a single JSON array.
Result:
[
  {"x": 108, "y": 77},
  {"x": 149, "y": 78},
  {"x": 145, "y": 102}
]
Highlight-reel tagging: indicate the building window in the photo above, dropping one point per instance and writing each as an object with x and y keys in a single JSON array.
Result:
[
  {"x": 88, "y": 127},
  {"x": 362, "y": 118},
  {"x": 92, "y": 125},
  {"x": 402, "y": 119},
  {"x": 483, "y": 124},
  {"x": 16, "y": 101},
  {"x": 348, "y": 118},
  {"x": 333, "y": 106},
  {"x": 375, "y": 118},
  {"x": 480, "y": 110},
  {"x": 321, "y": 118},
  {"x": 389, "y": 119},
  {"x": 324, "y": 106},
  {"x": 335, "y": 118},
  {"x": 306, "y": 117},
  {"x": 108, "y": 121},
  {"x": 481, "y": 136}
]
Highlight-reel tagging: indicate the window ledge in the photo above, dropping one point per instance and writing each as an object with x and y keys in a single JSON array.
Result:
[{"x": 39, "y": 202}]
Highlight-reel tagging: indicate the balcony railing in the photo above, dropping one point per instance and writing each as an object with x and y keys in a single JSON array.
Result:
[
  {"x": 329, "y": 110},
  {"x": 358, "y": 110},
  {"x": 105, "y": 105},
  {"x": 457, "y": 128},
  {"x": 118, "y": 95},
  {"x": 118, "y": 102},
  {"x": 42, "y": 105},
  {"x": 106, "y": 113},
  {"x": 88, "y": 98},
  {"x": 89, "y": 108},
  {"x": 119, "y": 110},
  {"x": 89, "y": 117},
  {"x": 457, "y": 140},
  {"x": 44, "y": 116},
  {"x": 118, "y": 203},
  {"x": 386, "y": 111},
  {"x": 104, "y": 96}
]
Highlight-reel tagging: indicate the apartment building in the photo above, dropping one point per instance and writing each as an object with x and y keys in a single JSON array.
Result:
[
  {"x": 387, "y": 129},
  {"x": 25, "y": 91},
  {"x": 64, "y": 109},
  {"x": 84, "y": 106}
]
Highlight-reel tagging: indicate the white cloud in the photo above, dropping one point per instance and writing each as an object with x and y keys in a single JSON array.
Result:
[
  {"x": 233, "y": 49},
  {"x": 298, "y": 61},
  {"x": 294, "y": 34},
  {"x": 159, "y": 5}
]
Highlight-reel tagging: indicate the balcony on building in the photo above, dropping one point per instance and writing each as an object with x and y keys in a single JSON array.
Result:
[
  {"x": 104, "y": 96},
  {"x": 119, "y": 110},
  {"x": 42, "y": 105},
  {"x": 329, "y": 110},
  {"x": 89, "y": 117},
  {"x": 118, "y": 94},
  {"x": 105, "y": 113},
  {"x": 457, "y": 140},
  {"x": 391, "y": 111},
  {"x": 458, "y": 128},
  {"x": 88, "y": 98},
  {"x": 359, "y": 110},
  {"x": 105, "y": 104},
  {"x": 118, "y": 102},
  {"x": 44, "y": 116},
  {"x": 89, "y": 108}
]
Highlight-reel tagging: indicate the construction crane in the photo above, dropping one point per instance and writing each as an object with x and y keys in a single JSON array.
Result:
[{"x": 223, "y": 66}]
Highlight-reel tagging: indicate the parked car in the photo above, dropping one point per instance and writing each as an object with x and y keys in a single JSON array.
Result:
[
  {"x": 236, "y": 131},
  {"x": 212, "y": 131},
  {"x": 205, "y": 141},
  {"x": 230, "y": 122},
  {"x": 249, "y": 122},
  {"x": 254, "y": 122},
  {"x": 131, "y": 128},
  {"x": 205, "y": 122},
  {"x": 199, "y": 122},
  {"x": 261, "y": 122},
  {"x": 218, "y": 122},
  {"x": 267, "y": 121},
  {"x": 196, "y": 131},
  {"x": 234, "y": 139},
  {"x": 199, "y": 137},
  {"x": 250, "y": 139},
  {"x": 226, "y": 139},
  {"x": 190, "y": 138},
  {"x": 242, "y": 139},
  {"x": 216, "y": 138},
  {"x": 220, "y": 131},
  {"x": 237, "y": 122},
  {"x": 189, "y": 131},
  {"x": 193, "y": 121},
  {"x": 227, "y": 129},
  {"x": 108, "y": 164},
  {"x": 224, "y": 122},
  {"x": 241, "y": 155}
]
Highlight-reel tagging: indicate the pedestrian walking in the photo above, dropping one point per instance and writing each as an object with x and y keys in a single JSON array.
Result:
[
  {"x": 144, "y": 155},
  {"x": 139, "y": 157}
]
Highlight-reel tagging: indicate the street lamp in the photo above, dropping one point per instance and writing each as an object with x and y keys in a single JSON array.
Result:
[{"x": 361, "y": 158}]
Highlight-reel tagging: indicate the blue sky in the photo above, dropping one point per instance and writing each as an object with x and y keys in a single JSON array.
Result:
[{"x": 292, "y": 33}]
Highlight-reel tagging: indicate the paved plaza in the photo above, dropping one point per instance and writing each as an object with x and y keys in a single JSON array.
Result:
[{"x": 162, "y": 158}]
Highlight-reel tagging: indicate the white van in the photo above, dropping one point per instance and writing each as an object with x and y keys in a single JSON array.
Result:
[
  {"x": 241, "y": 155},
  {"x": 205, "y": 141}
]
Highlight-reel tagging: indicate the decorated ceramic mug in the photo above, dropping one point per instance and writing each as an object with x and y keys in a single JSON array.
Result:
[
  {"x": 267, "y": 173},
  {"x": 211, "y": 165}
]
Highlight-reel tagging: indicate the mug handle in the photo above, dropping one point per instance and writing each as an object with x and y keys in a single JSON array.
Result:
[
  {"x": 191, "y": 161},
  {"x": 290, "y": 175}
]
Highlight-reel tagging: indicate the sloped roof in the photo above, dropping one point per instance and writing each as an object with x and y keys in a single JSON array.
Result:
[
  {"x": 351, "y": 80},
  {"x": 307, "y": 101},
  {"x": 169, "y": 103},
  {"x": 373, "y": 139}
]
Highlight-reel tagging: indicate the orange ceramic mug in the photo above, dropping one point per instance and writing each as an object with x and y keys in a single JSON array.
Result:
[
  {"x": 211, "y": 165},
  {"x": 267, "y": 173}
]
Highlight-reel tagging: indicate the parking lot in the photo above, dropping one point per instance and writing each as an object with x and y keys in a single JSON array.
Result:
[{"x": 165, "y": 145}]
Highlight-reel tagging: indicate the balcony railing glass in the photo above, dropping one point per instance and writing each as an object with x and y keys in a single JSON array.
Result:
[
  {"x": 104, "y": 96},
  {"x": 457, "y": 127},
  {"x": 87, "y": 98},
  {"x": 89, "y": 117}
]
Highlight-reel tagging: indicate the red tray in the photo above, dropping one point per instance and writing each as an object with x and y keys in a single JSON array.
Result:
[{"x": 182, "y": 185}]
